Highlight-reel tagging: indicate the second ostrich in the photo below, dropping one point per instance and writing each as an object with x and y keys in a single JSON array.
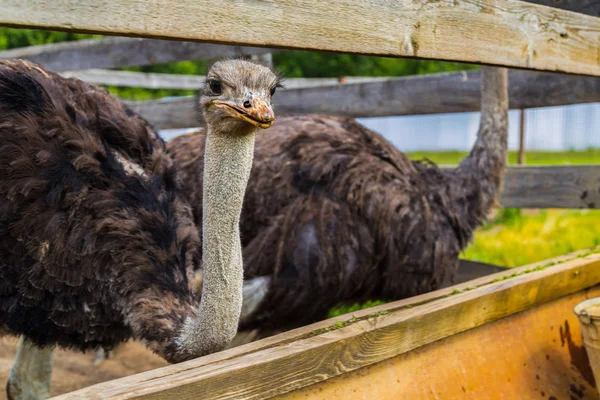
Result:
[
  {"x": 96, "y": 242},
  {"x": 334, "y": 213}
]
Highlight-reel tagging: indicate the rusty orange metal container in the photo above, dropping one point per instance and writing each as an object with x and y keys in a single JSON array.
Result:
[{"x": 588, "y": 313}]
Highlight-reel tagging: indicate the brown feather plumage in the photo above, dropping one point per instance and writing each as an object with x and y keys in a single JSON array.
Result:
[
  {"x": 336, "y": 214},
  {"x": 95, "y": 239}
]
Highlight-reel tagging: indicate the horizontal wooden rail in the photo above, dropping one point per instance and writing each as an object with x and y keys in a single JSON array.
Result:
[
  {"x": 122, "y": 52},
  {"x": 423, "y": 94},
  {"x": 317, "y": 352},
  {"x": 499, "y": 32},
  {"x": 574, "y": 186},
  {"x": 552, "y": 187},
  {"x": 192, "y": 82},
  {"x": 126, "y": 52},
  {"x": 138, "y": 79}
]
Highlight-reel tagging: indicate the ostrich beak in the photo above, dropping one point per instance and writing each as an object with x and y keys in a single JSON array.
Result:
[{"x": 255, "y": 111}]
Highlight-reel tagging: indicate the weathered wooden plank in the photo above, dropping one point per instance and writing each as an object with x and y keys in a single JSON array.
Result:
[
  {"x": 170, "y": 113},
  {"x": 437, "y": 93},
  {"x": 589, "y": 7},
  {"x": 423, "y": 94},
  {"x": 535, "y": 354},
  {"x": 564, "y": 186},
  {"x": 279, "y": 365},
  {"x": 192, "y": 82},
  {"x": 138, "y": 79},
  {"x": 498, "y": 32},
  {"x": 123, "y": 52},
  {"x": 552, "y": 187},
  {"x": 303, "y": 83}
]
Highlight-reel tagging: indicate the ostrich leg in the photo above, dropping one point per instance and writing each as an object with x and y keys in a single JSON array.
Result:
[{"x": 31, "y": 373}]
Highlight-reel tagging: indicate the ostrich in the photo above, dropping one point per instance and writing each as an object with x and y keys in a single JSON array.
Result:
[
  {"x": 97, "y": 243},
  {"x": 334, "y": 213}
]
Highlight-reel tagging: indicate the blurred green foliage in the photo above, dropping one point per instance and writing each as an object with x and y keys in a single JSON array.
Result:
[
  {"x": 294, "y": 64},
  {"x": 12, "y": 38},
  {"x": 302, "y": 64},
  {"x": 346, "y": 309}
]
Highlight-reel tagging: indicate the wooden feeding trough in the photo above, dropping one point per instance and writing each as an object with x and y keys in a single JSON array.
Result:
[{"x": 508, "y": 335}]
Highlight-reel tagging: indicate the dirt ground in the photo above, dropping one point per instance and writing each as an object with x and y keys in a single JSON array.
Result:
[{"x": 74, "y": 370}]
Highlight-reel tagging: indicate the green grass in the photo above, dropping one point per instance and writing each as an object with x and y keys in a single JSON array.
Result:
[
  {"x": 516, "y": 237},
  {"x": 534, "y": 235},
  {"x": 591, "y": 156},
  {"x": 346, "y": 309}
]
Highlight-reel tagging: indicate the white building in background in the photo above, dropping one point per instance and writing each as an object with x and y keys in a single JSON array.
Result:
[{"x": 551, "y": 129}]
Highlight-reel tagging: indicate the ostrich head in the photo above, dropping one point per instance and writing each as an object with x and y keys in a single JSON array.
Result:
[{"x": 238, "y": 95}]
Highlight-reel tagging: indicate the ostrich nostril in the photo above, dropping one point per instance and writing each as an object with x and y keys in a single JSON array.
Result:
[{"x": 247, "y": 104}]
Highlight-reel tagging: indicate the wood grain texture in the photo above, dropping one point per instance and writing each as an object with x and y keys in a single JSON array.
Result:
[
  {"x": 138, "y": 79},
  {"x": 573, "y": 186},
  {"x": 423, "y": 94},
  {"x": 193, "y": 82},
  {"x": 498, "y": 32},
  {"x": 279, "y": 365},
  {"x": 589, "y": 7},
  {"x": 122, "y": 52},
  {"x": 535, "y": 354},
  {"x": 552, "y": 187}
]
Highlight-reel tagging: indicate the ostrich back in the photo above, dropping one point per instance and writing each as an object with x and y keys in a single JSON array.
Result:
[
  {"x": 90, "y": 216},
  {"x": 334, "y": 213}
]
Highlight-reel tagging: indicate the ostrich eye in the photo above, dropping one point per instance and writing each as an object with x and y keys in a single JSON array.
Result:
[
  {"x": 275, "y": 88},
  {"x": 215, "y": 87}
]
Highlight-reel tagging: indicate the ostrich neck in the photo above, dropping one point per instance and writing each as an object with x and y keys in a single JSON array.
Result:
[
  {"x": 481, "y": 174},
  {"x": 227, "y": 164}
]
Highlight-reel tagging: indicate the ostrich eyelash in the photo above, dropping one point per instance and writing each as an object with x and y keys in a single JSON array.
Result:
[{"x": 278, "y": 85}]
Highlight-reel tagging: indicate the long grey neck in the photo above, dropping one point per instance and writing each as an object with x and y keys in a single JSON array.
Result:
[
  {"x": 481, "y": 174},
  {"x": 227, "y": 164}
]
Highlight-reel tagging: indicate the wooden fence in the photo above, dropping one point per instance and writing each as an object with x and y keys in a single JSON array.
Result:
[
  {"x": 424, "y": 94},
  {"x": 520, "y": 34}
]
